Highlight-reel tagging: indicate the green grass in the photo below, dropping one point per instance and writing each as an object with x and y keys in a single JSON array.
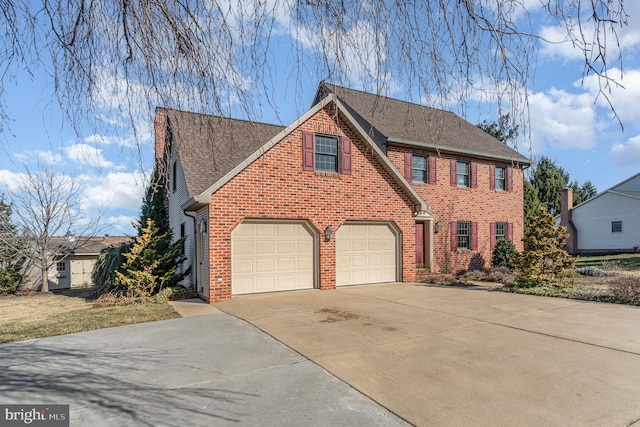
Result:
[
  {"x": 624, "y": 261},
  {"x": 44, "y": 315}
]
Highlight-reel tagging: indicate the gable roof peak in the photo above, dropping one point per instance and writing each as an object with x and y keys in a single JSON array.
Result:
[{"x": 415, "y": 125}]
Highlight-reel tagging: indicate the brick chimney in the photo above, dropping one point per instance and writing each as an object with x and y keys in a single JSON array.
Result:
[
  {"x": 566, "y": 205},
  {"x": 160, "y": 127}
]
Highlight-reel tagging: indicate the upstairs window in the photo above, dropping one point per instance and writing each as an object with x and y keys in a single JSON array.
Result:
[
  {"x": 419, "y": 169},
  {"x": 501, "y": 178},
  {"x": 616, "y": 226},
  {"x": 326, "y": 153},
  {"x": 462, "y": 174}
]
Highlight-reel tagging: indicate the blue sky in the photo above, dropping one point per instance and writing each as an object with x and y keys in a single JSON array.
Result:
[{"x": 568, "y": 123}]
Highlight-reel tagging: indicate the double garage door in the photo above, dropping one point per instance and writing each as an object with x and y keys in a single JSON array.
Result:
[{"x": 268, "y": 256}]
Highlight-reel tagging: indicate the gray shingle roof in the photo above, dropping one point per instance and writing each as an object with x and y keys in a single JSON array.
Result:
[
  {"x": 210, "y": 146},
  {"x": 85, "y": 245},
  {"x": 412, "y": 124}
]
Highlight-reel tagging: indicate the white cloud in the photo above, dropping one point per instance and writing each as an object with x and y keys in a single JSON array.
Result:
[
  {"x": 116, "y": 190},
  {"x": 122, "y": 224},
  {"x": 87, "y": 155},
  {"x": 559, "y": 46},
  {"x": 628, "y": 153},
  {"x": 11, "y": 181},
  {"x": 98, "y": 139},
  {"x": 624, "y": 99},
  {"x": 562, "y": 120}
]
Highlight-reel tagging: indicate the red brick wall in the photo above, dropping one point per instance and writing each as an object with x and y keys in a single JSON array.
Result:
[
  {"x": 481, "y": 205},
  {"x": 275, "y": 186}
]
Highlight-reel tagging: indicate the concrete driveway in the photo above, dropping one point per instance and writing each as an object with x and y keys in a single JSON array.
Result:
[
  {"x": 212, "y": 370},
  {"x": 452, "y": 357}
]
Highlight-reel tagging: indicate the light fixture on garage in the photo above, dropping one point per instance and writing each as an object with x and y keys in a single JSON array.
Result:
[
  {"x": 328, "y": 232},
  {"x": 438, "y": 227}
]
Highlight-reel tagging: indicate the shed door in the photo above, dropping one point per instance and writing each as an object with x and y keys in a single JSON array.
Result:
[
  {"x": 365, "y": 253},
  {"x": 271, "y": 256}
]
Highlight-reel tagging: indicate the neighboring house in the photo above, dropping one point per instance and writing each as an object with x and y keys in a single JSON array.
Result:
[
  {"x": 359, "y": 189},
  {"x": 76, "y": 258},
  {"x": 606, "y": 223}
]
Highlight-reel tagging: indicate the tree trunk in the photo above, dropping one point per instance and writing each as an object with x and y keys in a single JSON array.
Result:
[{"x": 45, "y": 274}]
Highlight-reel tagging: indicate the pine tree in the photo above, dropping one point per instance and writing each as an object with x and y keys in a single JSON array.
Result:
[
  {"x": 152, "y": 263},
  {"x": 154, "y": 206},
  {"x": 531, "y": 204},
  {"x": 543, "y": 260},
  {"x": 11, "y": 263}
]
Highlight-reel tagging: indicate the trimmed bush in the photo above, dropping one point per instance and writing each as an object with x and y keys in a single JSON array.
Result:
[{"x": 503, "y": 254}]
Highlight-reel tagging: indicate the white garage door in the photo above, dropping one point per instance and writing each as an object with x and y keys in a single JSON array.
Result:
[
  {"x": 271, "y": 256},
  {"x": 365, "y": 253}
]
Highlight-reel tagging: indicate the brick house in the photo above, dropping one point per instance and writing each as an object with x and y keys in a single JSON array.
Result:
[{"x": 359, "y": 189}]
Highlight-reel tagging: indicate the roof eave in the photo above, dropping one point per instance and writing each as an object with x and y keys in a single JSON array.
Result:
[
  {"x": 194, "y": 204},
  {"x": 519, "y": 158}
]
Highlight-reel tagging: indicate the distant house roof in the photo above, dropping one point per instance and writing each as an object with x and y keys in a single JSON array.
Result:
[
  {"x": 405, "y": 123},
  {"x": 84, "y": 245},
  {"x": 630, "y": 187},
  {"x": 211, "y": 146}
]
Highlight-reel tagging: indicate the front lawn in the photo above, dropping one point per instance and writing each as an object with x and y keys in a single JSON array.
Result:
[
  {"x": 629, "y": 262},
  {"x": 43, "y": 315}
]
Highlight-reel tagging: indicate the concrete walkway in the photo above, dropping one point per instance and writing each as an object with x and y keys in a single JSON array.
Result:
[
  {"x": 203, "y": 370},
  {"x": 441, "y": 356}
]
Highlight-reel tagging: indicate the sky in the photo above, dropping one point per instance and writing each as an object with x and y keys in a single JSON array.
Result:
[{"x": 569, "y": 123}]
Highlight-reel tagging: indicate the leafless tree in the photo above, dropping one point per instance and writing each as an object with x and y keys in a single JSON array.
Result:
[
  {"x": 129, "y": 56},
  {"x": 47, "y": 207}
]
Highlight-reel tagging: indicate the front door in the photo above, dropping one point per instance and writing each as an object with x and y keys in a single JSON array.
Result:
[{"x": 420, "y": 244}]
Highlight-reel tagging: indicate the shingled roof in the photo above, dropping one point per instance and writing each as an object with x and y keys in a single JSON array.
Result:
[
  {"x": 211, "y": 146},
  {"x": 400, "y": 122}
]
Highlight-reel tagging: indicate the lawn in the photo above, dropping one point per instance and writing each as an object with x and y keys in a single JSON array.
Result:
[
  {"x": 43, "y": 315},
  {"x": 629, "y": 262}
]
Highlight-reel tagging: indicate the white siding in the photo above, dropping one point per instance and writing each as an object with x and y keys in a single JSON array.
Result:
[
  {"x": 593, "y": 221},
  {"x": 177, "y": 216}
]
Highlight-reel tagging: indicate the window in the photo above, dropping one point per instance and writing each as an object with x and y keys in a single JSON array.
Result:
[
  {"x": 464, "y": 235},
  {"x": 419, "y": 168},
  {"x": 326, "y": 153},
  {"x": 61, "y": 266},
  {"x": 616, "y": 226},
  {"x": 462, "y": 174},
  {"x": 175, "y": 176},
  {"x": 501, "y": 230},
  {"x": 501, "y": 177}
]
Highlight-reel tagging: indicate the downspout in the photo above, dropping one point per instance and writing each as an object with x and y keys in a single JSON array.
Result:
[{"x": 194, "y": 269}]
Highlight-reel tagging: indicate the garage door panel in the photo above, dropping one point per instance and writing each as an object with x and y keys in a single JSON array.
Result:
[
  {"x": 365, "y": 253},
  {"x": 271, "y": 256}
]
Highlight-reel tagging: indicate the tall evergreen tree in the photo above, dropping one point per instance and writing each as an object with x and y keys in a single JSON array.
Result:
[
  {"x": 531, "y": 203},
  {"x": 582, "y": 193},
  {"x": 11, "y": 262},
  {"x": 503, "y": 129},
  {"x": 549, "y": 179},
  {"x": 154, "y": 205}
]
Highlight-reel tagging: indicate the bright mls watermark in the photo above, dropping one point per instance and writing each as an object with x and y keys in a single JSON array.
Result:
[{"x": 34, "y": 415}]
